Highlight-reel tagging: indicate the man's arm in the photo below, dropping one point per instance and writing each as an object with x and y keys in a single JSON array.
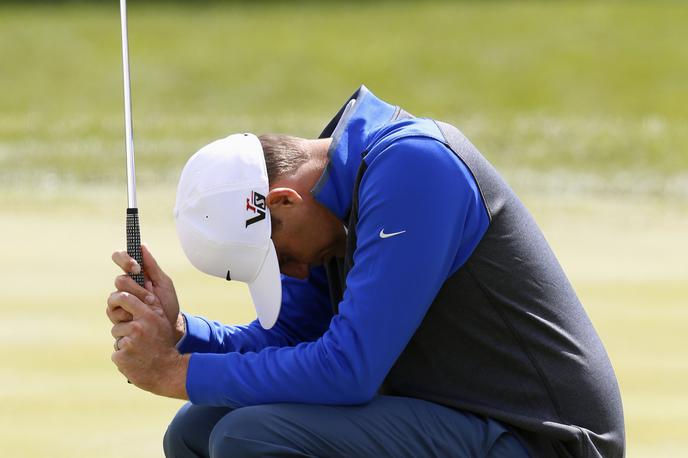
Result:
[
  {"x": 304, "y": 316},
  {"x": 415, "y": 188},
  {"x": 145, "y": 336}
]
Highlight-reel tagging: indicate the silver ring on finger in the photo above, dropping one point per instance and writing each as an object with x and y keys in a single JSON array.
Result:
[{"x": 116, "y": 344}]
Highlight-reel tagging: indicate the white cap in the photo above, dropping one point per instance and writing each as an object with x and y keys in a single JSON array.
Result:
[{"x": 223, "y": 221}]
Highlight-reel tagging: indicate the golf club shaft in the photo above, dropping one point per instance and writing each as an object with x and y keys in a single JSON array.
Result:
[{"x": 133, "y": 230}]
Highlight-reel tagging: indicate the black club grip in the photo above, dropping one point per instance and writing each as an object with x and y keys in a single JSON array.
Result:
[{"x": 134, "y": 241}]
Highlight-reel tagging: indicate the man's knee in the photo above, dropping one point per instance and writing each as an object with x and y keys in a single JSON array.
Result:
[
  {"x": 253, "y": 431},
  {"x": 173, "y": 442},
  {"x": 188, "y": 433}
]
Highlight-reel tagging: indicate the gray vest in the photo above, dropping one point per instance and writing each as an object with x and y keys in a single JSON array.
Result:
[{"x": 506, "y": 337}]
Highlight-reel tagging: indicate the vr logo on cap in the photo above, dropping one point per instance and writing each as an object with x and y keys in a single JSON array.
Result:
[{"x": 256, "y": 204}]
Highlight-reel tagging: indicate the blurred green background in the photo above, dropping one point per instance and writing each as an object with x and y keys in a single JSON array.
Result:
[{"x": 583, "y": 106}]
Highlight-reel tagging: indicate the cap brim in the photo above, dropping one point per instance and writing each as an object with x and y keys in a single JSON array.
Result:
[{"x": 266, "y": 290}]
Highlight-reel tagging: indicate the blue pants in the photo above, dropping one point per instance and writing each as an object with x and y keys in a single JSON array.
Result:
[{"x": 387, "y": 426}]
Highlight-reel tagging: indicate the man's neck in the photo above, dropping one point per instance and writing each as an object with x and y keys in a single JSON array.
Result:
[
  {"x": 318, "y": 150},
  {"x": 305, "y": 178}
]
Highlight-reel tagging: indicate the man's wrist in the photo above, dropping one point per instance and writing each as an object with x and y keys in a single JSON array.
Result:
[
  {"x": 174, "y": 385},
  {"x": 180, "y": 328}
]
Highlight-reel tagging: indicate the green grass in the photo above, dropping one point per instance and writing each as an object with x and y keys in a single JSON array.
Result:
[
  {"x": 582, "y": 106},
  {"x": 582, "y": 87}
]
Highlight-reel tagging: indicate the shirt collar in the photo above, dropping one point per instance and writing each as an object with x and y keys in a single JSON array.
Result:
[{"x": 351, "y": 130}]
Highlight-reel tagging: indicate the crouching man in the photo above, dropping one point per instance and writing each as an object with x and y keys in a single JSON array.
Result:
[{"x": 408, "y": 305}]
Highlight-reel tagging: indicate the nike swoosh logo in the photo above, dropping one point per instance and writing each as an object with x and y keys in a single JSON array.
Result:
[{"x": 391, "y": 234}]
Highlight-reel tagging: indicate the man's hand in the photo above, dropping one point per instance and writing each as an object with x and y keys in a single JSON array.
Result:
[
  {"x": 159, "y": 290},
  {"x": 145, "y": 347}
]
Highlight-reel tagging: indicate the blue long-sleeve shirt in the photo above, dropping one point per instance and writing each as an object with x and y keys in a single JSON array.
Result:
[{"x": 414, "y": 186}]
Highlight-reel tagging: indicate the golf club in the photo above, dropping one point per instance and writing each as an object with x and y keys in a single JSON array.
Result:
[{"x": 133, "y": 231}]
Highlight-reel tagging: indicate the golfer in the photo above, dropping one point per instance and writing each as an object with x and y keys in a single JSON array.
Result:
[{"x": 408, "y": 305}]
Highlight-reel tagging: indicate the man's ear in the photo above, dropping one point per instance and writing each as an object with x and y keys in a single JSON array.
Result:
[{"x": 283, "y": 197}]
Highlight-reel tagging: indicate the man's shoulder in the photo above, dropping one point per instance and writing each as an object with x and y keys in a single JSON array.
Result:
[
  {"x": 402, "y": 133},
  {"x": 410, "y": 146},
  {"x": 413, "y": 152}
]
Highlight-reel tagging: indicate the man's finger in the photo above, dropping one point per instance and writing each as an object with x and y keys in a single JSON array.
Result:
[
  {"x": 128, "y": 302},
  {"x": 151, "y": 268},
  {"x": 126, "y": 262},
  {"x": 117, "y": 314},
  {"x": 126, "y": 283},
  {"x": 120, "y": 329},
  {"x": 132, "y": 329},
  {"x": 124, "y": 343}
]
